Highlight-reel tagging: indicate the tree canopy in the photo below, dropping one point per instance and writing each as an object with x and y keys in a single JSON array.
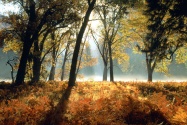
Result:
[{"x": 158, "y": 28}]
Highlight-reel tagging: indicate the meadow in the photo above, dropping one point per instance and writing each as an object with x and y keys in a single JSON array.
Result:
[{"x": 94, "y": 103}]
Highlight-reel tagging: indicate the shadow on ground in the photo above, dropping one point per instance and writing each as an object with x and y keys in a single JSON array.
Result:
[
  {"x": 144, "y": 113},
  {"x": 55, "y": 115}
]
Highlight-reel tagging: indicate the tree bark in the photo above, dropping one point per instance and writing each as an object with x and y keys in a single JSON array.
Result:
[
  {"x": 27, "y": 43},
  {"x": 36, "y": 62},
  {"x": 22, "y": 65},
  {"x": 36, "y": 69},
  {"x": 53, "y": 67},
  {"x": 72, "y": 77}
]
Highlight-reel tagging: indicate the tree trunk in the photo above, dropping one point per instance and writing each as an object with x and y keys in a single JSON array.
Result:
[
  {"x": 36, "y": 62},
  {"x": 149, "y": 68},
  {"x": 22, "y": 65},
  {"x": 150, "y": 73},
  {"x": 105, "y": 73},
  {"x": 63, "y": 65},
  {"x": 52, "y": 72},
  {"x": 111, "y": 62},
  {"x": 53, "y": 67},
  {"x": 36, "y": 69},
  {"x": 65, "y": 59},
  {"x": 63, "y": 71},
  {"x": 151, "y": 64},
  {"x": 12, "y": 70},
  {"x": 72, "y": 77}
]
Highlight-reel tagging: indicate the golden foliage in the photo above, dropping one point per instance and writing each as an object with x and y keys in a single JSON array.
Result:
[
  {"x": 180, "y": 116},
  {"x": 13, "y": 45},
  {"x": 116, "y": 103}
]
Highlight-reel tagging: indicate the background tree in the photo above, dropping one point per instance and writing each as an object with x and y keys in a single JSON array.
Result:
[
  {"x": 181, "y": 55},
  {"x": 103, "y": 50},
  {"x": 85, "y": 57},
  {"x": 67, "y": 55},
  {"x": 135, "y": 31},
  {"x": 109, "y": 14},
  {"x": 12, "y": 63},
  {"x": 58, "y": 39}
]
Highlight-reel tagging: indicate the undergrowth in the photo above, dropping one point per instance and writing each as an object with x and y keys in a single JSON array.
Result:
[{"x": 94, "y": 103}]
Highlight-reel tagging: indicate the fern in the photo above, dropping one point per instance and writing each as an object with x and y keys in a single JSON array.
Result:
[{"x": 180, "y": 117}]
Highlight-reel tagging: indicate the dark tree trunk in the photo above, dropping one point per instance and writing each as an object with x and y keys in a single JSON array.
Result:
[
  {"x": 27, "y": 39},
  {"x": 105, "y": 73},
  {"x": 37, "y": 58},
  {"x": 111, "y": 62},
  {"x": 36, "y": 62},
  {"x": 36, "y": 69},
  {"x": 22, "y": 65},
  {"x": 72, "y": 77},
  {"x": 53, "y": 67}
]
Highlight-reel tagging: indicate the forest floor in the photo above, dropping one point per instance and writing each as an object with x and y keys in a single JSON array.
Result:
[{"x": 94, "y": 103}]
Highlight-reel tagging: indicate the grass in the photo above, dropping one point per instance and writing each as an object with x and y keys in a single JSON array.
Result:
[{"x": 94, "y": 103}]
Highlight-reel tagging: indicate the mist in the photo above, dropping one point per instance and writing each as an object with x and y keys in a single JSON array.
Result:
[
  {"x": 136, "y": 71},
  {"x": 5, "y": 69}
]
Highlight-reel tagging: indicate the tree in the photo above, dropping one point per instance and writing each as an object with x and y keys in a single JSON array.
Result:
[
  {"x": 37, "y": 58},
  {"x": 110, "y": 13},
  {"x": 181, "y": 55},
  {"x": 67, "y": 55},
  {"x": 72, "y": 78},
  {"x": 135, "y": 31},
  {"x": 177, "y": 23},
  {"x": 12, "y": 63},
  {"x": 33, "y": 19},
  {"x": 162, "y": 39},
  {"x": 59, "y": 39},
  {"x": 57, "y": 49},
  {"x": 85, "y": 58},
  {"x": 103, "y": 50}
]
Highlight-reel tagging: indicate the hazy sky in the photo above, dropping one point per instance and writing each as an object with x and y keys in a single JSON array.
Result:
[{"x": 7, "y": 7}]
